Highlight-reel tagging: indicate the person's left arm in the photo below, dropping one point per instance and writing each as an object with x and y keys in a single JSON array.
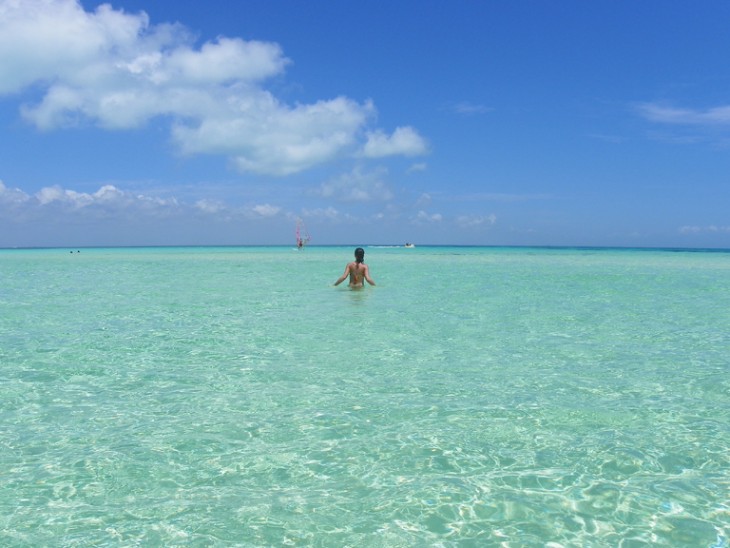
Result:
[{"x": 366, "y": 275}]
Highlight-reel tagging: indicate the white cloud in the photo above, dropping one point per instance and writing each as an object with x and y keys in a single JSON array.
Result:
[
  {"x": 704, "y": 229},
  {"x": 404, "y": 141},
  {"x": 469, "y": 221},
  {"x": 108, "y": 200},
  {"x": 115, "y": 70},
  {"x": 52, "y": 194},
  {"x": 266, "y": 210},
  {"x": 329, "y": 214},
  {"x": 110, "y": 204},
  {"x": 12, "y": 196},
  {"x": 423, "y": 200},
  {"x": 51, "y": 40},
  {"x": 211, "y": 206},
  {"x": 264, "y": 136},
  {"x": 357, "y": 186},
  {"x": 423, "y": 217},
  {"x": 670, "y": 115},
  {"x": 226, "y": 60},
  {"x": 421, "y": 166},
  {"x": 470, "y": 109}
]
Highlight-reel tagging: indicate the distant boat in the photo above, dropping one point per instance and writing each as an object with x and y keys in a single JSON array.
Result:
[
  {"x": 410, "y": 245},
  {"x": 301, "y": 234}
]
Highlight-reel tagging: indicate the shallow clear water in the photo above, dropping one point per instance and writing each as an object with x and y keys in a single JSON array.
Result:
[{"x": 475, "y": 397}]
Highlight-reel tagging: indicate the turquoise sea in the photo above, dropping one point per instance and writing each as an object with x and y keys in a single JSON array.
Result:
[{"x": 476, "y": 397}]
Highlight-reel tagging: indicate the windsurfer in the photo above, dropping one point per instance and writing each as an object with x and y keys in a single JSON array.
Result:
[{"x": 301, "y": 234}]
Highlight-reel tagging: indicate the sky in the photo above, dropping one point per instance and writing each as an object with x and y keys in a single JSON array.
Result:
[{"x": 494, "y": 122}]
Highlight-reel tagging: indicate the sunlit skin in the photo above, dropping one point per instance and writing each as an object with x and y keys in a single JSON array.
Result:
[{"x": 357, "y": 270}]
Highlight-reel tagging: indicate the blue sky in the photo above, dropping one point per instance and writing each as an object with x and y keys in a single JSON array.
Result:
[{"x": 160, "y": 122}]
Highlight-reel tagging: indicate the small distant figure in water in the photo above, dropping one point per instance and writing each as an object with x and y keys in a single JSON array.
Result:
[{"x": 357, "y": 270}]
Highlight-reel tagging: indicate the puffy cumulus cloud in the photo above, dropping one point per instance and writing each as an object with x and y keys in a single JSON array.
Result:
[
  {"x": 210, "y": 206},
  {"x": 117, "y": 71},
  {"x": 226, "y": 60},
  {"x": 12, "y": 197},
  {"x": 122, "y": 217},
  {"x": 264, "y": 136},
  {"x": 404, "y": 141},
  {"x": 52, "y": 40},
  {"x": 52, "y": 194},
  {"x": 358, "y": 186},
  {"x": 266, "y": 210},
  {"x": 471, "y": 221},
  {"x": 108, "y": 200}
]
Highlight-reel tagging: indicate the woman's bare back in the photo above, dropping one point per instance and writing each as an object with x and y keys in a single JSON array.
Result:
[
  {"x": 357, "y": 273},
  {"x": 357, "y": 270}
]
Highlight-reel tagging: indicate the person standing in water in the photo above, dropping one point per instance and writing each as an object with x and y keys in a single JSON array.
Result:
[{"x": 357, "y": 270}]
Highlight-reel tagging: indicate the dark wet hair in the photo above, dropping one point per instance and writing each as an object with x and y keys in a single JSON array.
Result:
[{"x": 359, "y": 255}]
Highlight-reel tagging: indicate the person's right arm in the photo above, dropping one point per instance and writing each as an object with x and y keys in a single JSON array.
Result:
[{"x": 342, "y": 278}]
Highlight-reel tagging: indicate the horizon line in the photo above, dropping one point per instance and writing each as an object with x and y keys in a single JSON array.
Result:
[{"x": 381, "y": 245}]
